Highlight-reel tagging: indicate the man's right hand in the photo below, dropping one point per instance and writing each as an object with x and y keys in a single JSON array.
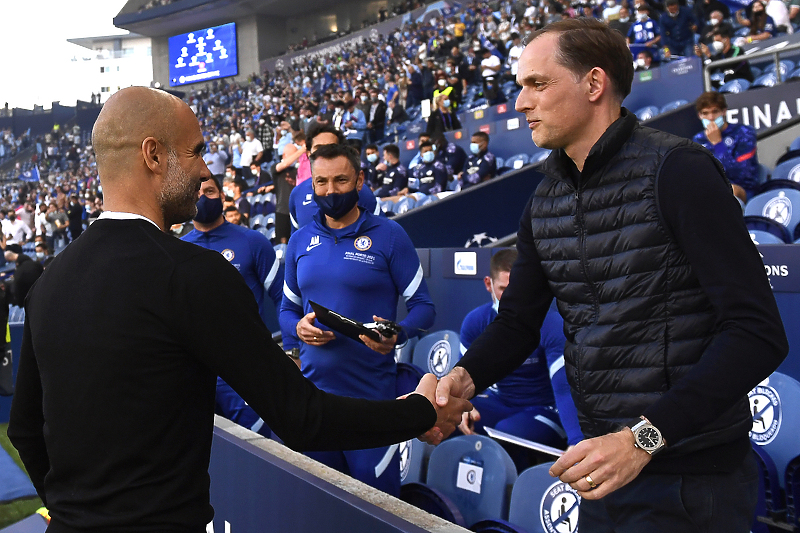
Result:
[
  {"x": 467, "y": 425},
  {"x": 448, "y": 416},
  {"x": 311, "y": 334},
  {"x": 457, "y": 384}
]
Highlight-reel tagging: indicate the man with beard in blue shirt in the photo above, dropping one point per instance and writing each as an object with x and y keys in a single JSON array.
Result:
[
  {"x": 358, "y": 265},
  {"x": 395, "y": 175}
]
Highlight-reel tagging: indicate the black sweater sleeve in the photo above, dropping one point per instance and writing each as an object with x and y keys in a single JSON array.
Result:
[
  {"x": 247, "y": 358},
  {"x": 514, "y": 334},
  {"x": 706, "y": 221}
]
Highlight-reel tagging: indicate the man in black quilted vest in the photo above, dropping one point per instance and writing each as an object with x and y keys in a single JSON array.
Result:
[{"x": 668, "y": 314}]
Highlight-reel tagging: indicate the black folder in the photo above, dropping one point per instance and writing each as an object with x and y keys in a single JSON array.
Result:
[{"x": 342, "y": 324}]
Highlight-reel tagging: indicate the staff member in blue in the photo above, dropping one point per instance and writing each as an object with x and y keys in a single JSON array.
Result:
[
  {"x": 359, "y": 265},
  {"x": 301, "y": 202},
  {"x": 248, "y": 250}
]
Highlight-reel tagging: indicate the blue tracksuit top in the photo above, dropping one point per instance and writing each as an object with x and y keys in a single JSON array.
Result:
[
  {"x": 477, "y": 168},
  {"x": 358, "y": 271},
  {"x": 737, "y": 153},
  {"x": 252, "y": 255},
  {"x": 540, "y": 376},
  {"x": 302, "y": 205},
  {"x": 394, "y": 179},
  {"x": 429, "y": 178}
]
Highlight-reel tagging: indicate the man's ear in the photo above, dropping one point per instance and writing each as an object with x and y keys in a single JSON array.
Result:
[
  {"x": 598, "y": 83},
  {"x": 155, "y": 156}
]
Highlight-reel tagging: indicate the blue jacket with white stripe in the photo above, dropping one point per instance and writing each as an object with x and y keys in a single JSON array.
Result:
[{"x": 358, "y": 271}]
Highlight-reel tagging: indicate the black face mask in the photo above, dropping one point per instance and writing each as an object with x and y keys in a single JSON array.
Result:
[{"x": 337, "y": 205}]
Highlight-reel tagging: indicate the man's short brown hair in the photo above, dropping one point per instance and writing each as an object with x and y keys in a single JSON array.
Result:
[
  {"x": 586, "y": 43},
  {"x": 710, "y": 99},
  {"x": 502, "y": 261}
]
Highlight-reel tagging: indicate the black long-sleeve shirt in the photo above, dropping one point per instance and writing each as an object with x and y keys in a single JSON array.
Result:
[
  {"x": 699, "y": 209},
  {"x": 124, "y": 336}
]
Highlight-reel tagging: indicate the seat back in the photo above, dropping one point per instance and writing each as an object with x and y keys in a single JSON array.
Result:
[
  {"x": 776, "y": 422},
  {"x": 781, "y": 205},
  {"x": 404, "y": 353},
  {"x": 256, "y": 221},
  {"x": 792, "y": 481},
  {"x": 414, "y": 456},
  {"x": 404, "y": 204},
  {"x": 431, "y": 501},
  {"x": 675, "y": 104},
  {"x": 646, "y": 113},
  {"x": 476, "y": 473},
  {"x": 770, "y": 499},
  {"x": 542, "y": 504},
  {"x": 437, "y": 352},
  {"x": 765, "y": 80},
  {"x": 786, "y": 67},
  {"x": 735, "y": 86},
  {"x": 764, "y": 230},
  {"x": 517, "y": 161},
  {"x": 788, "y": 170}
]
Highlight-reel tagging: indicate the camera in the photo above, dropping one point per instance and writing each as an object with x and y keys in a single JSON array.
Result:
[{"x": 386, "y": 328}]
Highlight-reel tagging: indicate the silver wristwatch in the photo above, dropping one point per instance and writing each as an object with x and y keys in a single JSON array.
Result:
[{"x": 646, "y": 436}]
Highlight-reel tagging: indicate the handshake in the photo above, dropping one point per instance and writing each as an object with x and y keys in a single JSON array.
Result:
[{"x": 448, "y": 397}]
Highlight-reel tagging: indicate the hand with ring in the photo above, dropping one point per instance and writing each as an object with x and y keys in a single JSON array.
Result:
[
  {"x": 311, "y": 334},
  {"x": 590, "y": 481}
]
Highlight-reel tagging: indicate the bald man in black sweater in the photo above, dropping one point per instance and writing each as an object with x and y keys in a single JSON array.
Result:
[{"x": 116, "y": 432}]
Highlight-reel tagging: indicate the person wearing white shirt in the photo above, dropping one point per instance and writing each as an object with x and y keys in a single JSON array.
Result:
[
  {"x": 251, "y": 150},
  {"x": 19, "y": 231},
  {"x": 490, "y": 67},
  {"x": 513, "y": 56}
]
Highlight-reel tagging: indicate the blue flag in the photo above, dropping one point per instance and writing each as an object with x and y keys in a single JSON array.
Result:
[{"x": 30, "y": 175}]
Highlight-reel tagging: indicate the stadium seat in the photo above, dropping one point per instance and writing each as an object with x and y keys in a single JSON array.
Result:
[
  {"x": 386, "y": 205},
  {"x": 673, "y": 105},
  {"x": 476, "y": 473},
  {"x": 788, "y": 170},
  {"x": 781, "y": 205},
  {"x": 269, "y": 220},
  {"x": 765, "y": 80},
  {"x": 437, "y": 352},
  {"x": 537, "y": 497},
  {"x": 516, "y": 162},
  {"x": 792, "y": 480},
  {"x": 795, "y": 144},
  {"x": 776, "y": 422},
  {"x": 269, "y": 233},
  {"x": 280, "y": 251},
  {"x": 428, "y": 200},
  {"x": 770, "y": 501},
  {"x": 431, "y": 501},
  {"x": 496, "y": 526},
  {"x": 646, "y": 113},
  {"x": 414, "y": 456},
  {"x": 404, "y": 204},
  {"x": 404, "y": 352},
  {"x": 744, "y": 31},
  {"x": 408, "y": 376},
  {"x": 786, "y": 67},
  {"x": 756, "y": 71},
  {"x": 256, "y": 221},
  {"x": 735, "y": 86},
  {"x": 765, "y": 230},
  {"x": 540, "y": 156}
]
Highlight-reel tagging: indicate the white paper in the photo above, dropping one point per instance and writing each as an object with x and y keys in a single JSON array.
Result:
[{"x": 500, "y": 435}]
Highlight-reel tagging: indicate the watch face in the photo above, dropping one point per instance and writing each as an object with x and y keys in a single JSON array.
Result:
[{"x": 648, "y": 438}]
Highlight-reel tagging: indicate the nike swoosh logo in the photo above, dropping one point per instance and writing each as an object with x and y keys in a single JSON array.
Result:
[
  {"x": 307, "y": 202},
  {"x": 312, "y": 246}
]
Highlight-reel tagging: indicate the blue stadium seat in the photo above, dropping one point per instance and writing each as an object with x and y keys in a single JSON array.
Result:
[
  {"x": 256, "y": 221},
  {"x": 792, "y": 480},
  {"x": 538, "y": 497},
  {"x": 517, "y": 161},
  {"x": 795, "y": 145},
  {"x": 788, "y": 170},
  {"x": 765, "y": 80},
  {"x": 735, "y": 86},
  {"x": 718, "y": 77},
  {"x": 269, "y": 233},
  {"x": 403, "y": 353},
  {"x": 539, "y": 156},
  {"x": 269, "y": 220},
  {"x": 786, "y": 67},
  {"x": 794, "y": 75},
  {"x": 764, "y": 230},
  {"x": 431, "y": 501},
  {"x": 476, "y": 473},
  {"x": 496, "y": 526},
  {"x": 744, "y": 31},
  {"x": 756, "y": 71},
  {"x": 408, "y": 376},
  {"x": 499, "y": 162},
  {"x": 770, "y": 501},
  {"x": 673, "y": 105},
  {"x": 387, "y": 205},
  {"x": 437, "y": 352},
  {"x": 428, "y": 200},
  {"x": 404, "y": 204},
  {"x": 280, "y": 251},
  {"x": 776, "y": 421},
  {"x": 414, "y": 456},
  {"x": 781, "y": 205},
  {"x": 35, "y": 523},
  {"x": 646, "y": 113}
]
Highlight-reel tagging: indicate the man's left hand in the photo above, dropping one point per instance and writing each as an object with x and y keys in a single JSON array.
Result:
[
  {"x": 385, "y": 346},
  {"x": 611, "y": 461}
]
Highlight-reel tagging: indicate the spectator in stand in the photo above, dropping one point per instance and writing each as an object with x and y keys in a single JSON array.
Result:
[
  {"x": 794, "y": 14},
  {"x": 284, "y": 179},
  {"x": 395, "y": 175},
  {"x": 480, "y": 165},
  {"x": 252, "y": 151},
  {"x": 442, "y": 119},
  {"x": 395, "y": 113},
  {"x": 611, "y": 11},
  {"x": 60, "y": 223},
  {"x": 415, "y": 91},
  {"x": 644, "y": 60},
  {"x": 233, "y": 216},
  {"x": 490, "y": 69},
  {"x": 372, "y": 176},
  {"x": 265, "y": 135},
  {"x": 354, "y": 125},
  {"x": 722, "y": 48},
  {"x": 512, "y": 61},
  {"x": 443, "y": 88},
  {"x": 779, "y": 11},
  {"x": 75, "y": 214},
  {"x": 261, "y": 176},
  {"x": 534, "y": 401},
  {"x": 623, "y": 22},
  {"x": 26, "y": 273},
  {"x": 42, "y": 252},
  {"x": 216, "y": 159},
  {"x": 714, "y": 21},
  {"x": 762, "y": 26},
  {"x": 239, "y": 199},
  {"x": 17, "y": 231},
  {"x": 734, "y": 145},
  {"x": 645, "y": 30},
  {"x": 704, "y": 13},
  {"x": 377, "y": 117},
  {"x": 678, "y": 28}
]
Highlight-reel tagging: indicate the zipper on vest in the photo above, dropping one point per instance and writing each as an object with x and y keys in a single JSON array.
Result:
[{"x": 582, "y": 256}]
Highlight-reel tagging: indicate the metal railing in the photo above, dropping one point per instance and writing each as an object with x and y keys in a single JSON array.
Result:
[{"x": 749, "y": 57}]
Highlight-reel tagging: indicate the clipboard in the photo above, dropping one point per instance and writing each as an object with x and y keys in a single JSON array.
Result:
[
  {"x": 341, "y": 324},
  {"x": 502, "y": 435}
]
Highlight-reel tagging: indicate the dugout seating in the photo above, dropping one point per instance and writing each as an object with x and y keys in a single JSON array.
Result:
[
  {"x": 780, "y": 204},
  {"x": 788, "y": 170},
  {"x": 765, "y": 230},
  {"x": 437, "y": 352}
]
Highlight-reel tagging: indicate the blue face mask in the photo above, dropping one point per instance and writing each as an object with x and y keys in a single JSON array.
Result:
[
  {"x": 719, "y": 121},
  {"x": 475, "y": 148},
  {"x": 208, "y": 209},
  {"x": 337, "y": 205},
  {"x": 428, "y": 157},
  {"x": 495, "y": 301},
  {"x": 372, "y": 157},
  {"x": 446, "y": 103}
]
